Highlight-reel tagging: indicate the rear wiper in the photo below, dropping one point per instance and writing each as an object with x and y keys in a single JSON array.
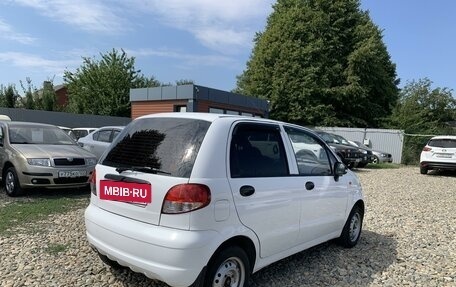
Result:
[{"x": 146, "y": 169}]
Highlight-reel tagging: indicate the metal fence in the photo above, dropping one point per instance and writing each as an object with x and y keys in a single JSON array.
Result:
[
  {"x": 390, "y": 141},
  {"x": 63, "y": 119}
]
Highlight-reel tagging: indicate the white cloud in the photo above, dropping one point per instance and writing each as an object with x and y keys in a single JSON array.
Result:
[
  {"x": 7, "y": 32},
  {"x": 92, "y": 16},
  {"x": 188, "y": 60},
  {"x": 225, "y": 26},
  {"x": 33, "y": 62}
]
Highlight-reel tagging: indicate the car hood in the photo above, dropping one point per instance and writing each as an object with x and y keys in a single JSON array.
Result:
[
  {"x": 341, "y": 146},
  {"x": 51, "y": 151}
]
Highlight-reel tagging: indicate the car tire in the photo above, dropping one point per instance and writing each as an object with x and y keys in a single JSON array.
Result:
[
  {"x": 113, "y": 264},
  {"x": 423, "y": 170},
  {"x": 362, "y": 164},
  {"x": 376, "y": 160},
  {"x": 352, "y": 228},
  {"x": 230, "y": 267},
  {"x": 11, "y": 183}
]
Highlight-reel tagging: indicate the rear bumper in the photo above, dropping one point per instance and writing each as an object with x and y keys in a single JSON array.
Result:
[
  {"x": 173, "y": 256},
  {"x": 438, "y": 165}
]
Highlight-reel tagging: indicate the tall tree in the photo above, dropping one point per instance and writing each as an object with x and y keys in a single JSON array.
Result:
[
  {"x": 102, "y": 87},
  {"x": 48, "y": 96},
  {"x": 8, "y": 96},
  {"x": 28, "y": 102},
  {"x": 422, "y": 110},
  {"x": 321, "y": 62}
]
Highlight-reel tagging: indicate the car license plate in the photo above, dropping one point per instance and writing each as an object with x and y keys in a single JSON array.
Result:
[
  {"x": 444, "y": 155},
  {"x": 125, "y": 191},
  {"x": 72, "y": 173}
]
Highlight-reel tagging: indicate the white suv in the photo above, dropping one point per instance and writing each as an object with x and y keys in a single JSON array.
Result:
[
  {"x": 439, "y": 153},
  {"x": 206, "y": 199}
]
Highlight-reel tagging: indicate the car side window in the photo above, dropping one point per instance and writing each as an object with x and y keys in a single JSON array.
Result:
[
  {"x": 310, "y": 153},
  {"x": 257, "y": 150},
  {"x": 114, "y": 134},
  {"x": 104, "y": 136}
]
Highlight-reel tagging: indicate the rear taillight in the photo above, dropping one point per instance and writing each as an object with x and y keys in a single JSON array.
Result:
[
  {"x": 93, "y": 182},
  {"x": 426, "y": 148},
  {"x": 185, "y": 198}
]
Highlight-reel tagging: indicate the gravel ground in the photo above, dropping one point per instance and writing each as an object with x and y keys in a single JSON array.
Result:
[{"x": 408, "y": 240}]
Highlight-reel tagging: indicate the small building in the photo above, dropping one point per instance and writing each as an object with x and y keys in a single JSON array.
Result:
[{"x": 194, "y": 98}]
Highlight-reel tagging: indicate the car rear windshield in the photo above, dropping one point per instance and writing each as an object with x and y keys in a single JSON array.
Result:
[
  {"x": 167, "y": 145},
  {"x": 446, "y": 143}
]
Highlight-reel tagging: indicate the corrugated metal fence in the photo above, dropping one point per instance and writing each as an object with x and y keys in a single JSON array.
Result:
[
  {"x": 63, "y": 119},
  {"x": 390, "y": 141}
]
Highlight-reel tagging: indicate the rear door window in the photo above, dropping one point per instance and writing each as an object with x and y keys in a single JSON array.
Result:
[
  {"x": 166, "y": 144},
  {"x": 257, "y": 150}
]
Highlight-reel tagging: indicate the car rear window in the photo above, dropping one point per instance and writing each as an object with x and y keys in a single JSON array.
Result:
[
  {"x": 445, "y": 143},
  {"x": 166, "y": 144}
]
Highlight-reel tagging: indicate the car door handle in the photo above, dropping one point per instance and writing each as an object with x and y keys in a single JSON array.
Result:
[
  {"x": 310, "y": 185},
  {"x": 247, "y": 190}
]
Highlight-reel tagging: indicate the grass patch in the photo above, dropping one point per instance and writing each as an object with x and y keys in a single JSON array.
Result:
[
  {"x": 19, "y": 213},
  {"x": 56, "y": 248},
  {"x": 383, "y": 166}
]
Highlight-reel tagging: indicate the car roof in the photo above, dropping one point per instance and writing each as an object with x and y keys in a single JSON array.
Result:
[
  {"x": 443, "y": 137},
  {"x": 208, "y": 117},
  {"x": 83, "y": 129},
  {"x": 29, "y": 124}
]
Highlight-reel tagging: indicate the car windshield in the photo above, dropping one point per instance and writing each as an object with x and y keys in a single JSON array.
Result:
[
  {"x": 24, "y": 134},
  {"x": 341, "y": 139},
  {"x": 444, "y": 143},
  {"x": 327, "y": 137},
  {"x": 80, "y": 133},
  {"x": 167, "y": 145}
]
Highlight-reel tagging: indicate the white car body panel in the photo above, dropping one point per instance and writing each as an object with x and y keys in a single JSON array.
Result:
[{"x": 280, "y": 218}]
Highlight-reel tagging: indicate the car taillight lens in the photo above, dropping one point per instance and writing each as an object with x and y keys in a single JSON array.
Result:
[
  {"x": 93, "y": 182},
  {"x": 185, "y": 198},
  {"x": 426, "y": 148}
]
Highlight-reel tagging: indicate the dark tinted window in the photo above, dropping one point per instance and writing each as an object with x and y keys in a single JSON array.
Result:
[
  {"x": 80, "y": 133},
  {"x": 444, "y": 143},
  {"x": 168, "y": 144},
  {"x": 257, "y": 150}
]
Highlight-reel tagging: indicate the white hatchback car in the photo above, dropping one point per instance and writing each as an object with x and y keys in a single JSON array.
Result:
[
  {"x": 439, "y": 153},
  {"x": 206, "y": 200}
]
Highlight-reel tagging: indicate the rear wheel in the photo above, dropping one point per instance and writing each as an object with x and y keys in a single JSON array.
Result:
[
  {"x": 230, "y": 268},
  {"x": 11, "y": 183},
  {"x": 423, "y": 170},
  {"x": 352, "y": 229}
]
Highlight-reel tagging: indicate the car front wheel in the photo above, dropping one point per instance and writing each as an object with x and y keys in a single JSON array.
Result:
[
  {"x": 231, "y": 267},
  {"x": 11, "y": 183},
  {"x": 352, "y": 229},
  {"x": 423, "y": 170}
]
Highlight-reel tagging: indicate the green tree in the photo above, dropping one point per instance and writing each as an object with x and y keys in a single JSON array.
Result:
[
  {"x": 8, "y": 96},
  {"x": 182, "y": 82},
  {"x": 28, "y": 101},
  {"x": 321, "y": 62},
  {"x": 48, "y": 96},
  {"x": 423, "y": 110},
  {"x": 102, "y": 87}
]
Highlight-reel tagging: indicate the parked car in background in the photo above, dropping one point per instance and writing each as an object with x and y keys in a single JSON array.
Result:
[
  {"x": 378, "y": 156},
  {"x": 368, "y": 156},
  {"x": 439, "y": 153},
  {"x": 82, "y": 132},
  {"x": 39, "y": 155},
  {"x": 68, "y": 131},
  {"x": 98, "y": 141},
  {"x": 206, "y": 199},
  {"x": 351, "y": 156}
]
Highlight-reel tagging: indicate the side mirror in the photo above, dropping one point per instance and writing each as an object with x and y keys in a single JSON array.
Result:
[{"x": 339, "y": 170}]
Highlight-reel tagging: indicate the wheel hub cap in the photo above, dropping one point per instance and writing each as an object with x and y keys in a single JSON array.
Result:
[
  {"x": 229, "y": 274},
  {"x": 9, "y": 182},
  {"x": 355, "y": 227}
]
